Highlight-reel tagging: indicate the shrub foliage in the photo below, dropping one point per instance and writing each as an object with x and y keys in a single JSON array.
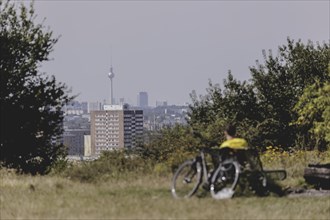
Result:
[
  {"x": 114, "y": 164},
  {"x": 313, "y": 109}
]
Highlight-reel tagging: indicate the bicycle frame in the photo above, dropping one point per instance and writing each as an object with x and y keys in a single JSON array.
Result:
[
  {"x": 202, "y": 160},
  {"x": 204, "y": 167}
]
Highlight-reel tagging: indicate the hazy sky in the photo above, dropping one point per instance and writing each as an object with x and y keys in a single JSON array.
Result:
[{"x": 169, "y": 48}]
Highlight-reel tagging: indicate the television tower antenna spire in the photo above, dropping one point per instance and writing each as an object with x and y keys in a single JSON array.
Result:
[{"x": 111, "y": 75}]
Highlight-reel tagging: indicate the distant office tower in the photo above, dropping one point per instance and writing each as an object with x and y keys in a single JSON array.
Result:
[
  {"x": 133, "y": 128},
  {"x": 142, "y": 100},
  {"x": 115, "y": 127},
  {"x": 73, "y": 139}
]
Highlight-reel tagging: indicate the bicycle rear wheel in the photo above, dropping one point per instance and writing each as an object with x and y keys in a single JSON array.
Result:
[
  {"x": 186, "y": 179},
  {"x": 225, "y": 179}
]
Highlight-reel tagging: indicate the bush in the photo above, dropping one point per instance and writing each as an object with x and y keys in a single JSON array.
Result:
[
  {"x": 313, "y": 110},
  {"x": 111, "y": 164},
  {"x": 161, "y": 169},
  {"x": 293, "y": 161},
  {"x": 172, "y": 147}
]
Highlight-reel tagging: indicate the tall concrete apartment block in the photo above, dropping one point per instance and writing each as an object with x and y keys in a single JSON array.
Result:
[{"x": 115, "y": 127}]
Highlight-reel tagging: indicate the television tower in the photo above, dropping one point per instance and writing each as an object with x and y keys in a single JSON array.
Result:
[{"x": 111, "y": 75}]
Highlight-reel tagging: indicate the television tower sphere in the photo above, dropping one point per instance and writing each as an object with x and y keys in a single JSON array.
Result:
[{"x": 111, "y": 75}]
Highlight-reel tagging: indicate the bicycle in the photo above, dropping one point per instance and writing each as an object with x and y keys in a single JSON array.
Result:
[
  {"x": 192, "y": 173},
  {"x": 222, "y": 182},
  {"x": 244, "y": 164}
]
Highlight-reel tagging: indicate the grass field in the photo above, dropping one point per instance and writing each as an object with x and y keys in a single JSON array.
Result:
[{"x": 138, "y": 197}]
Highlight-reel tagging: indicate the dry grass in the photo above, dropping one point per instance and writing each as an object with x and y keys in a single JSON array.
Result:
[
  {"x": 137, "y": 197},
  {"x": 294, "y": 163}
]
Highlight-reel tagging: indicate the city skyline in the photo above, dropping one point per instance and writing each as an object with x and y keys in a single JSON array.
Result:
[{"x": 169, "y": 49}]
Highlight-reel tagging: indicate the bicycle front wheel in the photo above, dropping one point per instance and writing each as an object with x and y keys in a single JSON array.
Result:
[
  {"x": 186, "y": 179},
  {"x": 225, "y": 179}
]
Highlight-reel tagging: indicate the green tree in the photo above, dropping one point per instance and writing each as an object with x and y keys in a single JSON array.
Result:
[
  {"x": 31, "y": 102},
  {"x": 236, "y": 103},
  {"x": 313, "y": 109},
  {"x": 279, "y": 83},
  {"x": 262, "y": 107}
]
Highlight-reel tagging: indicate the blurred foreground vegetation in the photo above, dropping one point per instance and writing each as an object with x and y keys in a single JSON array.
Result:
[
  {"x": 117, "y": 186},
  {"x": 122, "y": 165}
]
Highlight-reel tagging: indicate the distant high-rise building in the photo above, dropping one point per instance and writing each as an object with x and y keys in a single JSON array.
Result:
[
  {"x": 115, "y": 127},
  {"x": 142, "y": 100},
  {"x": 73, "y": 139},
  {"x": 133, "y": 128}
]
